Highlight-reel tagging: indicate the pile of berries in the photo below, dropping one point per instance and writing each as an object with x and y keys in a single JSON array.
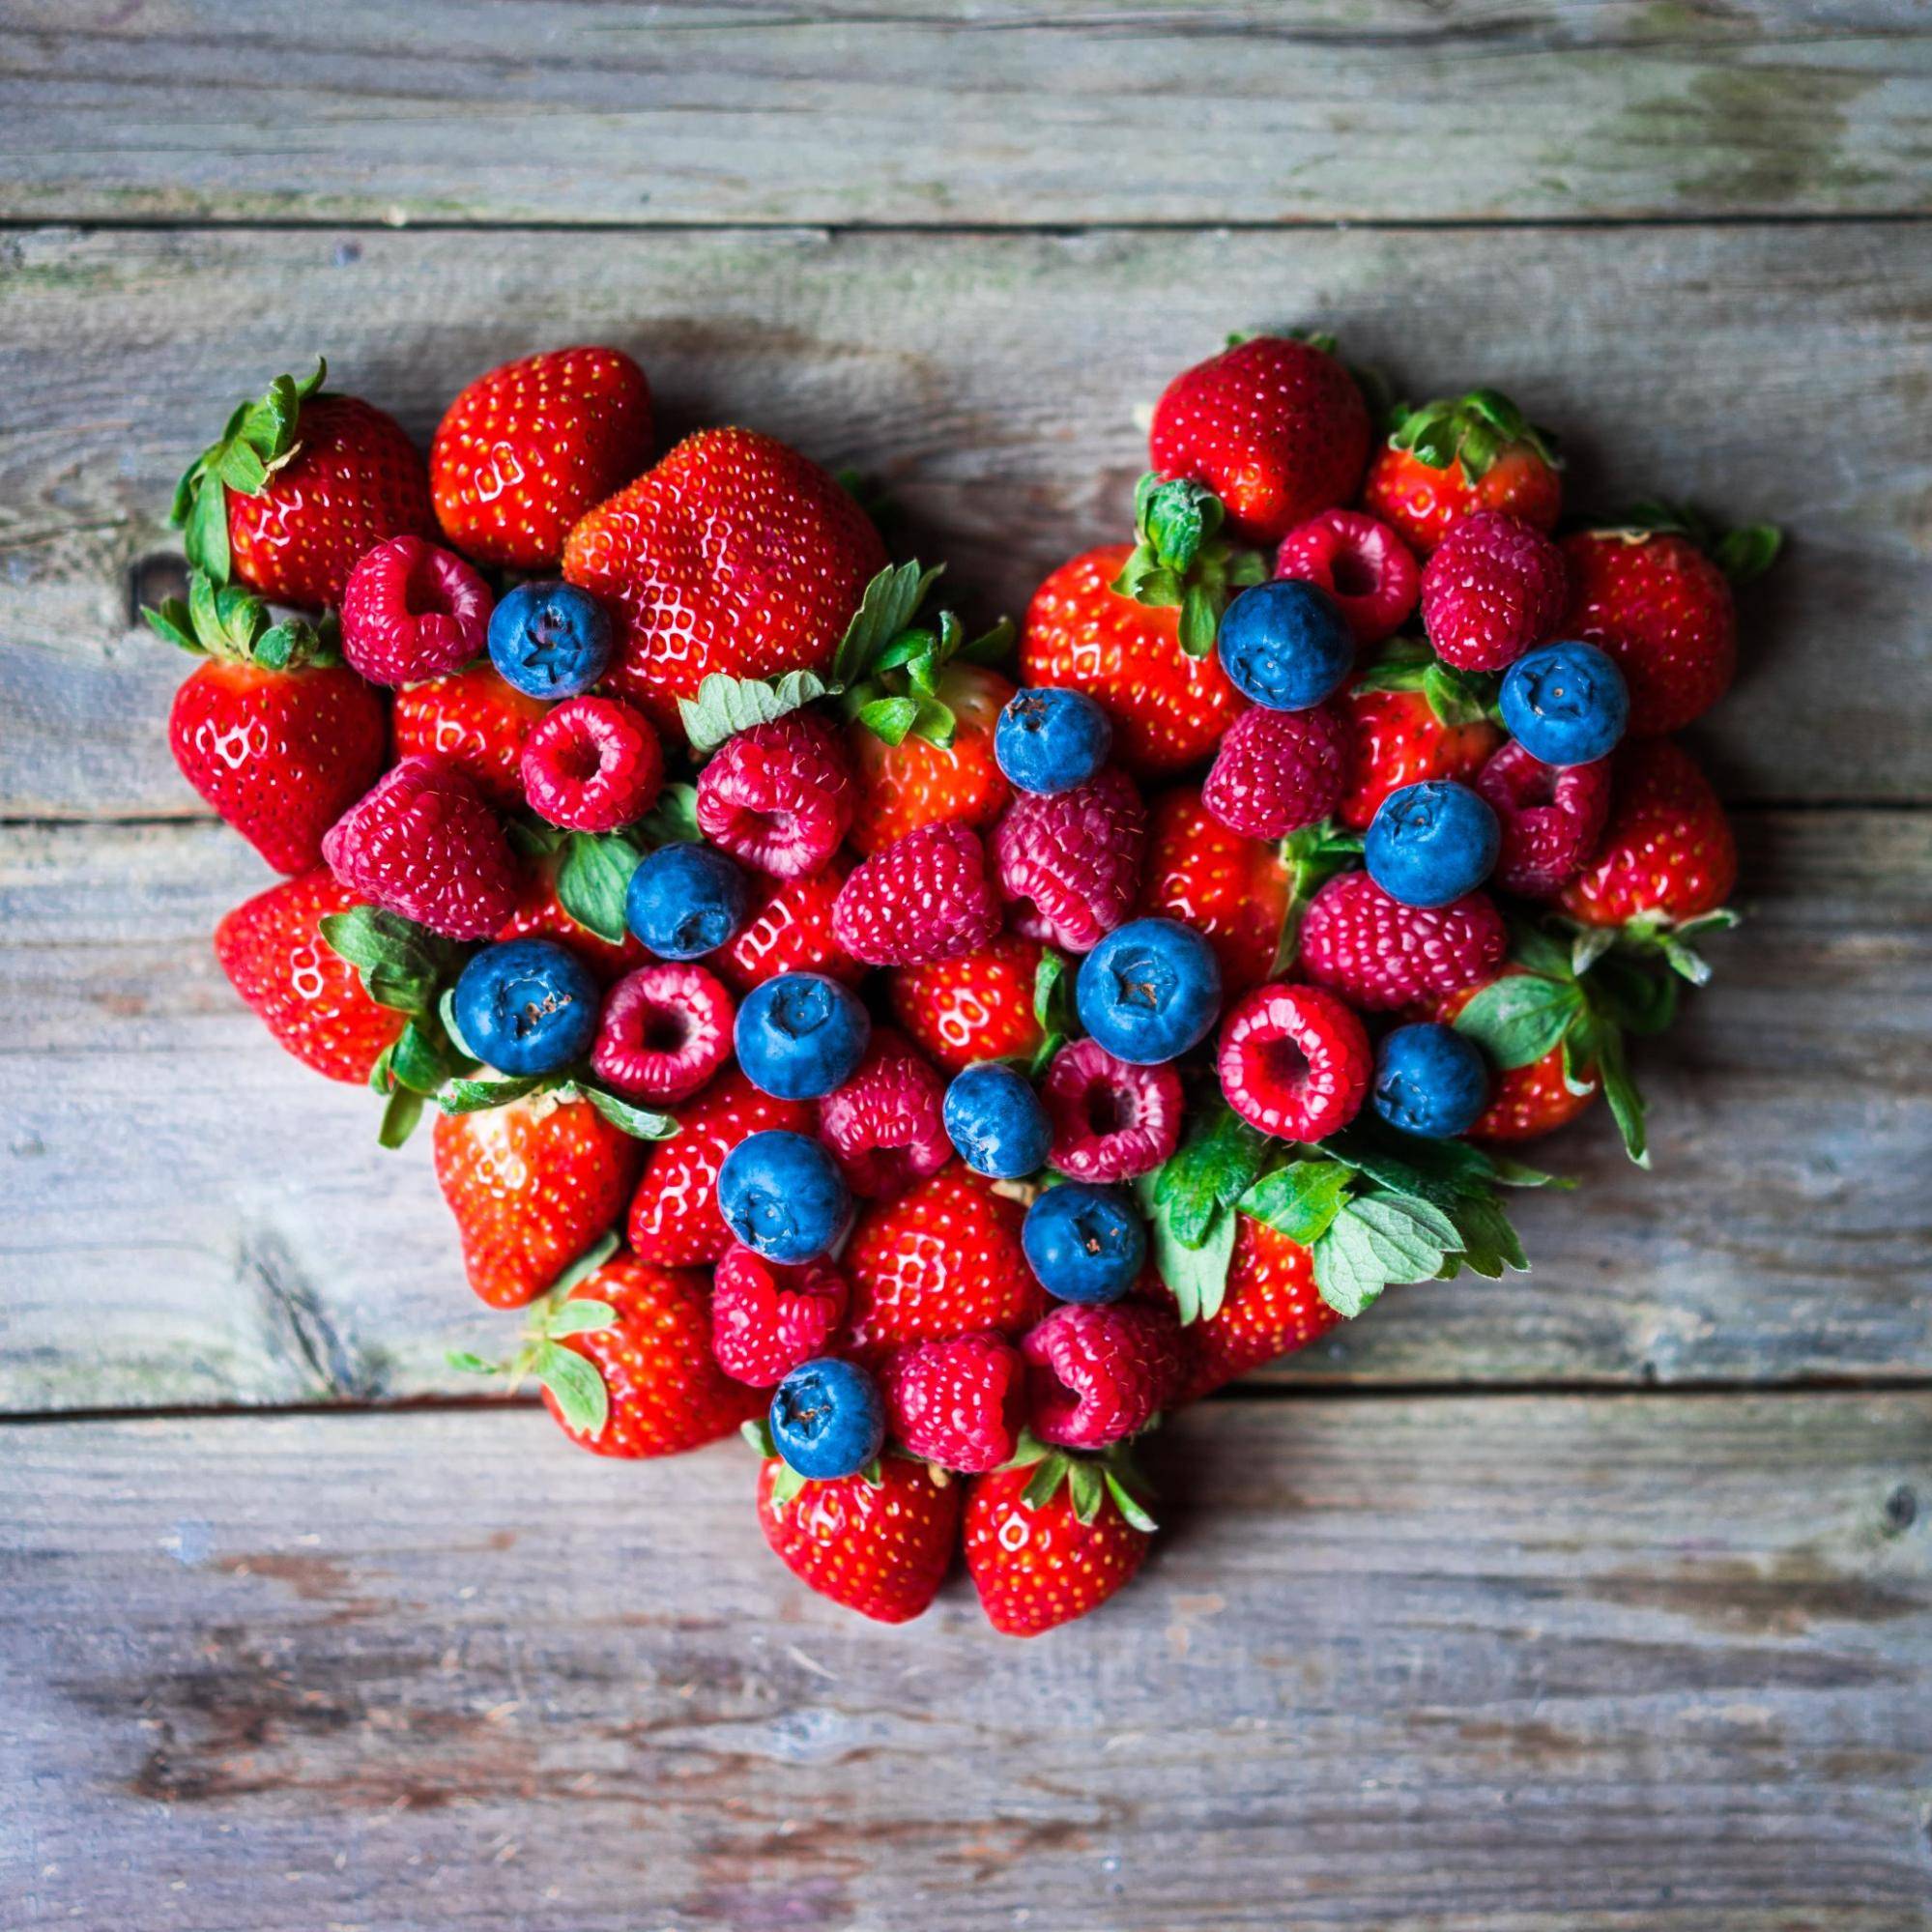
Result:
[{"x": 941, "y": 1056}]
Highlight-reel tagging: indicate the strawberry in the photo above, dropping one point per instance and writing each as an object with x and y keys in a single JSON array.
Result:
[
  {"x": 1233, "y": 890},
  {"x": 1270, "y": 1307},
  {"x": 980, "y": 1007},
  {"x": 300, "y": 486},
  {"x": 477, "y": 721},
  {"x": 533, "y": 1185},
  {"x": 1400, "y": 737},
  {"x": 732, "y": 554},
  {"x": 1446, "y": 460},
  {"x": 1528, "y": 1101},
  {"x": 271, "y": 727},
  {"x": 1051, "y": 1539},
  {"x": 941, "y": 1260},
  {"x": 789, "y": 930},
  {"x": 527, "y": 447},
  {"x": 303, "y": 991},
  {"x": 1169, "y": 709},
  {"x": 880, "y": 1543}
]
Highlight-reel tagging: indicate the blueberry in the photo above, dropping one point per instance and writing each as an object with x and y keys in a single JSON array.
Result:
[
  {"x": 1051, "y": 741},
  {"x": 685, "y": 901},
  {"x": 828, "y": 1419},
  {"x": 1149, "y": 990},
  {"x": 550, "y": 640},
  {"x": 996, "y": 1123},
  {"x": 783, "y": 1195},
  {"x": 1566, "y": 703},
  {"x": 1286, "y": 644},
  {"x": 1432, "y": 843},
  {"x": 800, "y": 1035},
  {"x": 1431, "y": 1080},
  {"x": 528, "y": 1006},
  {"x": 1085, "y": 1243}
]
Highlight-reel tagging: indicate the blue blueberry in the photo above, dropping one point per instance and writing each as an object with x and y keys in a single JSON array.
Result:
[
  {"x": 1149, "y": 990},
  {"x": 996, "y": 1122},
  {"x": 685, "y": 901},
  {"x": 1286, "y": 644},
  {"x": 1085, "y": 1243},
  {"x": 528, "y": 1006},
  {"x": 550, "y": 640},
  {"x": 1566, "y": 703},
  {"x": 828, "y": 1419},
  {"x": 800, "y": 1035},
  {"x": 783, "y": 1195},
  {"x": 1431, "y": 1080},
  {"x": 1432, "y": 843},
  {"x": 1051, "y": 741}
]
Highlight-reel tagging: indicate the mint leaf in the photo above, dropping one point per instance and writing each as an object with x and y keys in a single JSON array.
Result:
[
  {"x": 1300, "y": 1201},
  {"x": 726, "y": 706},
  {"x": 593, "y": 882}
]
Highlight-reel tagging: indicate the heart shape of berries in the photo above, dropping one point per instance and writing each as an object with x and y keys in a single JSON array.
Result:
[{"x": 942, "y": 1055}]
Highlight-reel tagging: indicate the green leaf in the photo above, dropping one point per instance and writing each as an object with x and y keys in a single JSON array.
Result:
[
  {"x": 404, "y": 1109},
  {"x": 1178, "y": 516},
  {"x": 1127, "y": 1503},
  {"x": 170, "y": 622},
  {"x": 1488, "y": 1240},
  {"x": 417, "y": 1061},
  {"x": 890, "y": 719},
  {"x": 1620, "y": 1090},
  {"x": 1518, "y": 1018},
  {"x": 1052, "y": 1469},
  {"x": 786, "y": 1483},
  {"x": 1054, "y": 993},
  {"x": 1539, "y": 952},
  {"x": 1748, "y": 551},
  {"x": 1212, "y": 1170},
  {"x": 593, "y": 882},
  {"x": 992, "y": 647},
  {"x": 1198, "y": 1276},
  {"x": 758, "y": 1433},
  {"x": 205, "y": 538},
  {"x": 936, "y": 723},
  {"x": 1512, "y": 1173},
  {"x": 372, "y": 939},
  {"x": 1201, "y": 620},
  {"x": 580, "y": 1317},
  {"x": 473, "y": 1096},
  {"x": 726, "y": 706},
  {"x": 1300, "y": 1201},
  {"x": 639, "y": 1122},
  {"x": 1638, "y": 1001},
  {"x": 583, "y": 1268},
  {"x": 1087, "y": 1488},
  {"x": 1454, "y": 696},
  {"x": 674, "y": 819},
  {"x": 890, "y": 601},
  {"x": 578, "y": 1386},
  {"x": 1376, "y": 1239},
  {"x": 241, "y": 468}
]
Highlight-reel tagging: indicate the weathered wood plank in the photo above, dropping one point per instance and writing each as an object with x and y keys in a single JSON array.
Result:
[
  {"x": 1463, "y": 1665},
  {"x": 992, "y": 382},
  {"x": 234, "y": 1236},
  {"x": 1022, "y": 111}
]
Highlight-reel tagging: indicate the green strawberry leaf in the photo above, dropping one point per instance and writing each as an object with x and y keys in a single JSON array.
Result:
[
  {"x": 786, "y": 1485},
  {"x": 673, "y": 821},
  {"x": 417, "y": 1061},
  {"x": 1212, "y": 1170},
  {"x": 580, "y": 1317},
  {"x": 404, "y": 1109},
  {"x": 640, "y": 1123},
  {"x": 1748, "y": 551},
  {"x": 1302, "y": 1199},
  {"x": 1054, "y": 993},
  {"x": 205, "y": 537},
  {"x": 1512, "y": 1173},
  {"x": 758, "y": 1433},
  {"x": 1620, "y": 1090},
  {"x": 890, "y": 601},
  {"x": 992, "y": 647},
  {"x": 726, "y": 706},
  {"x": 1313, "y": 856},
  {"x": 578, "y": 1385},
  {"x": 1086, "y": 1487},
  {"x": 1196, "y": 1275},
  {"x": 1539, "y": 952},
  {"x": 595, "y": 880},
  {"x": 1201, "y": 620},
  {"x": 170, "y": 622},
  {"x": 1377, "y": 1239},
  {"x": 473, "y": 1096},
  {"x": 1520, "y": 1018},
  {"x": 1132, "y": 1512},
  {"x": 936, "y": 723},
  {"x": 890, "y": 720},
  {"x": 1457, "y": 697},
  {"x": 581, "y": 1270}
]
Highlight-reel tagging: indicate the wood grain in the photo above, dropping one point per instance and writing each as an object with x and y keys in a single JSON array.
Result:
[
  {"x": 235, "y": 1235},
  {"x": 1018, "y": 111},
  {"x": 1536, "y": 1664}
]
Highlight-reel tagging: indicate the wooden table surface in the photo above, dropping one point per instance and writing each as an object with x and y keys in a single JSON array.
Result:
[{"x": 1600, "y": 1597}]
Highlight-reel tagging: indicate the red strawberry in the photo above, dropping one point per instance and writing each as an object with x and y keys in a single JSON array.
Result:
[
  {"x": 941, "y": 1260},
  {"x": 1097, "y": 1375},
  {"x": 1528, "y": 1101},
  {"x": 673, "y": 1215},
  {"x": 1398, "y": 739},
  {"x": 1048, "y": 1542},
  {"x": 1270, "y": 1308},
  {"x": 1069, "y": 864},
  {"x": 917, "y": 782},
  {"x": 1167, "y": 708},
  {"x": 979, "y": 1007},
  {"x": 477, "y": 721},
  {"x": 960, "y": 1404},
  {"x": 790, "y": 929},
  {"x": 1276, "y": 427},
  {"x": 533, "y": 1185},
  {"x": 541, "y": 915},
  {"x": 1380, "y": 955},
  {"x": 1447, "y": 460},
  {"x": 304, "y": 992},
  {"x": 732, "y": 554},
  {"x": 527, "y": 447},
  {"x": 1232, "y": 889},
  {"x": 298, "y": 487},
  {"x": 881, "y": 1548},
  {"x": 768, "y": 1318},
  {"x": 926, "y": 897}
]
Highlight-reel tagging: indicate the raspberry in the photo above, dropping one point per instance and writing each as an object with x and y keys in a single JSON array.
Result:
[
  {"x": 1380, "y": 955},
  {"x": 1276, "y": 771},
  {"x": 412, "y": 611},
  {"x": 885, "y": 1123},
  {"x": 1361, "y": 563},
  {"x": 1069, "y": 863},
  {"x": 1110, "y": 1120},
  {"x": 924, "y": 898},
  {"x": 779, "y": 796},
  {"x": 666, "y": 1029},
  {"x": 1295, "y": 1062},
  {"x": 1098, "y": 1375},
  {"x": 592, "y": 765},
  {"x": 789, "y": 930},
  {"x": 958, "y": 1403},
  {"x": 1551, "y": 817},
  {"x": 768, "y": 1318},
  {"x": 424, "y": 844},
  {"x": 1495, "y": 589}
]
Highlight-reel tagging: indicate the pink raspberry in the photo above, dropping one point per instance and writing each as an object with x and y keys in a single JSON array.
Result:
[
  {"x": 1099, "y": 1375},
  {"x": 1295, "y": 1062},
  {"x": 1276, "y": 771},
  {"x": 1110, "y": 1120},
  {"x": 411, "y": 611},
  {"x": 923, "y": 899},
  {"x": 779, "y": 796},
  {"x": 960, "y": 1404},
  {"x": 1495, "y": 589},
  {"x": 592, "y": 765},
  {"x": 1382, "y": 955},
  {"x": 1552, "y": 818},
  {"x": 424, "y": 843},
  {"x": 1069, "y": 862},
  {"x": 768, "y": 1318},
  {"x": 1361, "y": 563},
  {"x": 666, "y": 1029},
  {"x": 885, "y": 1123}
]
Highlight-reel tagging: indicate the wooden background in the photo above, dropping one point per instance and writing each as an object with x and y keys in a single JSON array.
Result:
[{"x": 1598, "y": 1598}]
